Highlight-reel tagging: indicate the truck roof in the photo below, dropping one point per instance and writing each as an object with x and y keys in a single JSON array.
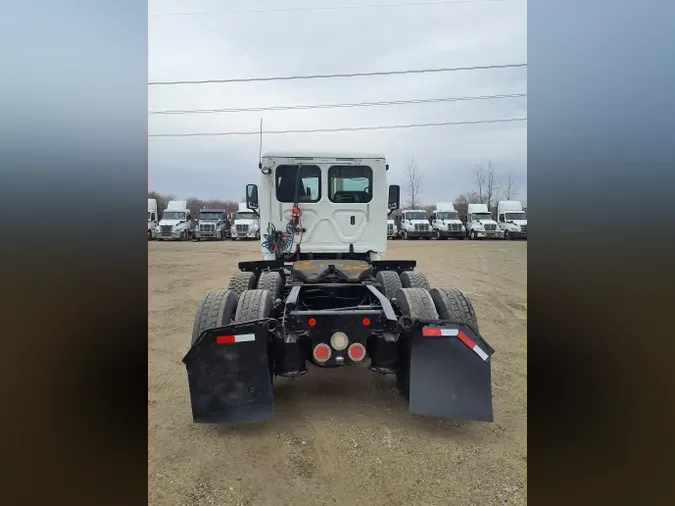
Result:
[
  {"x": 319, "y": 154},
  {"x": 445, "y": 206},
  {"x": 176, "y": 205},
  {"x": 243, "y": 208},
  {"x": 509, "y": 205},
  {"x": 478, "y": 208},
  {"x": 209, "y": 210}
]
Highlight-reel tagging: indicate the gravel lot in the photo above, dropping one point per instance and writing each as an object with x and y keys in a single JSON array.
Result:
[{"x": 341, "y": 436}]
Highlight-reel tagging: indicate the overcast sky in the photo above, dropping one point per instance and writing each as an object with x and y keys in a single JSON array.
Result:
[{"x": 336, "y": 41}]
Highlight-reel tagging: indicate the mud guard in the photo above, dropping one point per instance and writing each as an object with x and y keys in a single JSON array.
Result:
[
  {"x": 229, "y": 375},
  {"x": 450, "y": 374}
]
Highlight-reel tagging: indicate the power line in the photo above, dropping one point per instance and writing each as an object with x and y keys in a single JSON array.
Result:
[
  {"x": 347, "y": 129},
  {"x": 331, "y": 76},
  {"x": 336, "y": 8},
  {"x": 335, "y": 106}
]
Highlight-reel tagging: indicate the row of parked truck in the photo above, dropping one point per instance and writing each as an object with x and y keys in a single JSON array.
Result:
[
  {"x": 177, "y": 223},
  {"x": 445, "y": 222}
]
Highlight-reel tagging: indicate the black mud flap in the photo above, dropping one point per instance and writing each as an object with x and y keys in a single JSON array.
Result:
[
  {"x": 229, "y": 375},
  {"x": 450, "y": 374}
]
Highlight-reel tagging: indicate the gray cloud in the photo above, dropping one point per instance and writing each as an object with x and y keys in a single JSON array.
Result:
[{"x": 265, "y": 44}]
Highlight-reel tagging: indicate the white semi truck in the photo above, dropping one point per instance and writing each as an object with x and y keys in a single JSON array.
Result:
[
  {"x": 445, "y": 222},
  {"x": 392, "y": 230},
  {"x": 414, "y": 224},
  {"x": 153, "y": 220},
  {"x": 512, "y": 219},
  {"x": 246, "y": 224},
  {"x": 480, "y": 224},
  {"x": 176, "y": 222},
  {"x": 318, "y": 293}
]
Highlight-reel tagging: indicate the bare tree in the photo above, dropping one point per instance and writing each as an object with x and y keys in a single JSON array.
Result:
[
  {"x": 461, "y": 199},
  {"x": 414, "y": 175},
  {"x": 510, "y": 189},
  {"x": 491, "y": 185},
  {"x": 474, "y": 198},
  {"x": 479, "y": 178}
]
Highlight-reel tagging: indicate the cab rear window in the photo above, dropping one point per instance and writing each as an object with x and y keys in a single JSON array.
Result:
[
  {"x": 307, "y": 187},
  {"x": 349, "y": 183}
]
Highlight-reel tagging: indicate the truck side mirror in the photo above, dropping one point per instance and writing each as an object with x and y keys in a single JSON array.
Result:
[
  {"x": 394, "y": 197},
  {"x": 252, "y": 196}
]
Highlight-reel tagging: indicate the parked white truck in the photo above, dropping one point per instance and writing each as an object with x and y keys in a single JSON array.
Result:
[
  {"x": 512, "y": 219},
  {"x": 392, "y": 230},
  {"x": 176, "y": 222},
  {"x": 152, "y": 219},
  {"x": 246, "y": 224},
  {"x": 445, "y": 222},
  {"x": 414, "y": 224},
  {"x": 479, "y": 223}
]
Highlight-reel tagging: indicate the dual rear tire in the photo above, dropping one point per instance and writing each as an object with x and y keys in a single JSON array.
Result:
[
  {"x": 448, "y": 304},
  {"x": 222, "y": 308},
  {"x": 246, "y": 299}
]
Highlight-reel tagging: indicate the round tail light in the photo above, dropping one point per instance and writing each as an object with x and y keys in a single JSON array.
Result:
[
  {"x": 322, "y": 352},
  {"x": 356, "y": 352}
]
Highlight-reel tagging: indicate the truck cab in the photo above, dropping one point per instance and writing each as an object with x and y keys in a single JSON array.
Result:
[
  {"x": 512, "y": 219},
  {"x": 414, "y": 224},
  {"x": 246, "y": 224},
  {"x": 212, "y": 224},
  {"x": 176, "y": 222},
  {"x": 153, "y": 219},
  {"x": 343, "y": 201},
  {"x": 479, "y": 223},
  {"x": 445, "y": 222}
]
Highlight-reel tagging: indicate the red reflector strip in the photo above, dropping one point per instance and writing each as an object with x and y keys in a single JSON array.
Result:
[
  {"x": 466, "y": 340},
  {"x": 241, "y": 338},
  {"x": 436, "y": 332}
]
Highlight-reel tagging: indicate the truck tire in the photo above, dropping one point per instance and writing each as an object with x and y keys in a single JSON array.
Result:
[
  {"x": 271, "y": 281},
  {"x": 416, "y": 303},
  {"x": 390, "y": 282},
  {"x": 454, "y": 306},
  {"x": 254, "y": 305},
  {"x": 241, "y": 281},
  {"x": 412, "y": 279},
  {"x": 216, "y": 310}
]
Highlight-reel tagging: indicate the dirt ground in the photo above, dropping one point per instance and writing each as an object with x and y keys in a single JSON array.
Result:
[{"x": 340, "y": 436}]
